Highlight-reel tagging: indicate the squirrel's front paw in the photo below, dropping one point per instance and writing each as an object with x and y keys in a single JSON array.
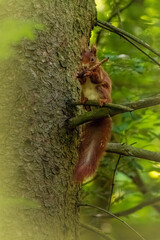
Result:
[
  {"x": 88, "y": 74},
  {"x": 102, "y": 102},
  {"x": 82, "y": 80},
  {"x": 84, "y": 100}
]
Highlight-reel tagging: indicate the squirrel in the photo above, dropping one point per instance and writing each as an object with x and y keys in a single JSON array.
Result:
[{"x": 96, "y": 85}]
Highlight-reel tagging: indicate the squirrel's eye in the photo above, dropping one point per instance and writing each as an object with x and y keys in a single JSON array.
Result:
[{"x": 92, "y": 59}]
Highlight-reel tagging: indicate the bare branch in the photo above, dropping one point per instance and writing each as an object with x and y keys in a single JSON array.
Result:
[
  {"x": 140, "y": 49},
  {"x": 110, "y": 18},
  {"x": 120, "y": 10},
  {"x": 112, "y": 109},
  {"x": 106, "y": 105},
  {"x": 145, "y": 102},
  {"x": 83, "y": 73},
  {"x": 118, "y": 31},
  {"x": 98, "y": 64},
  {"x": 127, "y": 150},
  {"x": 134, "y": 209},
  {"x": 96, "y": 230},
  {"x": 112, "y": 186},
  {"x": 114, "y": 216}
]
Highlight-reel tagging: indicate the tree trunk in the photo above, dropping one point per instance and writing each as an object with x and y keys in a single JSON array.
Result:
[{"x": 38, "y": 151}]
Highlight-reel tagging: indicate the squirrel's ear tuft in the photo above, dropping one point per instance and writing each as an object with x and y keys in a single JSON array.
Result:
[{"x": 93, "y": 49}]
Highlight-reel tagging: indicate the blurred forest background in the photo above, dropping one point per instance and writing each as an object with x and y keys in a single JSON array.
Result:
[
  {"x": 126, "y": 186},
  {"x": 134, "y": 192}
]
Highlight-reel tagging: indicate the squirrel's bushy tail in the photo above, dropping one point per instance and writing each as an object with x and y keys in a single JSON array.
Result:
[{"x": 95, "y": 136}]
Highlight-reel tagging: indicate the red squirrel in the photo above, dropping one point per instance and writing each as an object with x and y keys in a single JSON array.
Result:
[{"x": 96, "y": 85}]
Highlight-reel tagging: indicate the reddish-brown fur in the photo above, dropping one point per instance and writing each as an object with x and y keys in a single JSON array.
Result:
[
  {"x": 98, "y": 133},
  {"x": 95, "y": 134}
]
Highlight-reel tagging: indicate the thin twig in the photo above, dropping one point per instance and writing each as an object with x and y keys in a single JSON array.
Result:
[
  {"x": 127, "y": 150},
  {"x": 140, "y": 49},
  {"x": 136, "y": 208},
  {"x": 114, "y": 216},
  {"x": 84, "y": 73},
  {"x": 120, "y": 10},
  {"x": 98, "y": 64},
  {"x": 110, "y": 18},
  {"x": 118, "y": 13},
  {"x": 126, "y": 38},
  {"x": 112, "y": 186},
  {"x": 109, "y": 112},
  {"x": 128, "y": 35},
  {"x": 96, "y": 230}
]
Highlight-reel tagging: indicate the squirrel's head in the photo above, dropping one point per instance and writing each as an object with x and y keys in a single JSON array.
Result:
[{"x": 89, "y": 57}]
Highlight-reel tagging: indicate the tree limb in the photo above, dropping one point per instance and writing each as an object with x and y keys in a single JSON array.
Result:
[
  {"x": 145, "y": 102},
  {"x": 114, "y": 216},
  {"x": 105, "y": 105},
  {"x": 127, "y": 150},
  {"x": 134, "y": 209},
  {"x": 131, "y": 42},
  {"x": 110, "y": 110},
  {"x": 88, "y": 116},
  {"x": 96, "y": 230},
  {"x": 118, "y": 31},
  {"x": 140, "y": 49}
]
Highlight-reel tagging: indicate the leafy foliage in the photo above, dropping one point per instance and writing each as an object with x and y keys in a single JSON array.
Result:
[{"x": 134, "y": 77}]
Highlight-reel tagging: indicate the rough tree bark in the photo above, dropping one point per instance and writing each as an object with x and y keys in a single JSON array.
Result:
[{"x": 38, "y": 152}]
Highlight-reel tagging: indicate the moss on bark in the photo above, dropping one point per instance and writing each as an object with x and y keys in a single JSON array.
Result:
[{"x": 38, "y": 151}]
